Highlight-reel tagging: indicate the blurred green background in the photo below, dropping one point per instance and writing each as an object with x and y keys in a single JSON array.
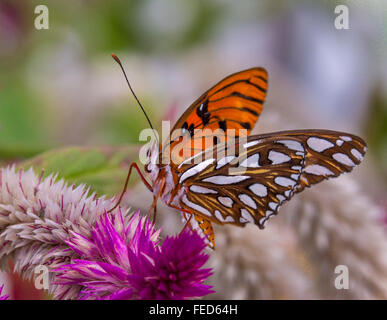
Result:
[{"x": 59, "y": 87}]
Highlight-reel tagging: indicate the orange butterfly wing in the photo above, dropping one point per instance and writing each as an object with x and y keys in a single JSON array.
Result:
[
  {"x": 234, "y": 103},
  {"x": 238, "y": 100}
]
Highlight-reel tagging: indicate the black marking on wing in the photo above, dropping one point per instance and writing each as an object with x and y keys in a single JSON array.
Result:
[{"x": 239, "y": 95}]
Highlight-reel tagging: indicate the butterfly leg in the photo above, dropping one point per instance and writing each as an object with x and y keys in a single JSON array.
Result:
[
  {"x": 135, "y": 166},
  {"x": 154, "y": 203},
  {"x": 187, "y": 223},
  {"x": 152, "y": 208},
  {"x": 155, "y": 212},
  {"x": 184, "y": 211},
  {"x": 177, "y": 208}
]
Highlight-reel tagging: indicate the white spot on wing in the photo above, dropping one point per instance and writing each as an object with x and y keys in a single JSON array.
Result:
[
  {"x": 247, "y": 216},
  {"x": 196, "y": 169},
  {"x": 219, "y": 216},
  {"x": 339, "y": 142},
  {"x": 292, "y": 145},
  {"x": 225, "y": 179},
  {"x": 319, "y": 144},
  {"x": 222, "y": 162},
  {"x": 269, "y": 213},
  {"x": 262, "y": 221},
  {"x": 251, "y": 143},
  {"x": 199, "y": 189},
  {"x": 251, "y": 162},
  {"x": 247, "y": 200},
  {"x": 280, "y": 197},
  {"x": 345, "y": 138},
  {"x": 229, "y": 219},
  {"x": 258, "y": 189},
  {"x": 195, "y": 206},
  {"x": 273, "y": 205},
  {"x": 285, "y": 182},
  {"x": 343, "y": 159},
  {"x": 200, "y": 154},
  {"x": 278, "y": 157},
  {"x": 287, "y": 193},
  {"x": 357, "y": 154},
  {"x": 226, "y": 201},
  {"x": 318, "y": 170},
  {"x": 242, "y": 220}
]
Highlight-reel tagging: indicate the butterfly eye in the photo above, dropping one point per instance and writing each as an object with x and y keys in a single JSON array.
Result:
[{"x": 147, "y": 168}]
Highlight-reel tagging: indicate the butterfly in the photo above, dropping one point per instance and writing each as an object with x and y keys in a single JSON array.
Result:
[{"x": 249, "y": 184}]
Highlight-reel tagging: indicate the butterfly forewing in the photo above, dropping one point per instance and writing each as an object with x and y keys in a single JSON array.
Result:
[
  {"x": 234, "y": 103},
  {"x": 238, "y": 100},
  {"x": 265, "y": 173}
]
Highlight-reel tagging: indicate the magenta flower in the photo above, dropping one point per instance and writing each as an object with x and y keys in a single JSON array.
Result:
[
  {"x": 171, "y": 271},
  {"x": 121, "y": 262},
  {"x": 5, "y": 297}
]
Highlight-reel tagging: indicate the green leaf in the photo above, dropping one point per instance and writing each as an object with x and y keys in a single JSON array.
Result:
[{"x": 103, "y": 169}]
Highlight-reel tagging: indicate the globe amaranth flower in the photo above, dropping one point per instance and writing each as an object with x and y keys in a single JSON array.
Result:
[
  {"x": 5, "y": 297},
  {"x": 120, "y": 262}
]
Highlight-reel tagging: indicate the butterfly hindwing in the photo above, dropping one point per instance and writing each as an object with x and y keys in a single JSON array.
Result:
[{"x": 251, "y": 186}]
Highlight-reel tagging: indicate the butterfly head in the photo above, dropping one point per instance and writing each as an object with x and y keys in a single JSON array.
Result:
[{"x": 159, "y": 173}]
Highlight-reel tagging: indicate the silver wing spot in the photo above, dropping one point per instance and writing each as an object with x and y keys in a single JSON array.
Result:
[
  {"x": 226, "y": 201},
  {"x": 196, "y": 169},
  {"x": 222, "y": 162},
  {"x": 247, "y": 216},
  {"x": 251, "y": 143},
  {"x": 195, "y": 206},
  {"x": 357, "y": 154},
  {"x": 319, "y": 144},
  {"x": 343, "y": 159},
  {"x": 203, "y": 190},
  {"x": 285, "y": 182},
  {"x": 345, "y": 138},
  {"x": 278, "y": 157},
  {"x": 247, "y": 200},
  {"x": 258, "y": 189},
  {"x": 292, "y": 145},
  {"x": 339, "y": 142},
  {"x": 319, "y": 170},
  {"x": 251, "y": 162},
  {"x": 225, "y": 179}
]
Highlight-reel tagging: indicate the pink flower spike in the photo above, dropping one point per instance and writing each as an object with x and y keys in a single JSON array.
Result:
[
  {"x": 5, "y": 297},
  {"x": 129, "y": 263}
]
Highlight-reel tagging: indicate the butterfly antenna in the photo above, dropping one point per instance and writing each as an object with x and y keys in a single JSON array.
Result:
[{"x": 130, "y": 87}]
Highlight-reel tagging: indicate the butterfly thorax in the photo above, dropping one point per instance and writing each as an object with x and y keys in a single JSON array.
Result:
[{"x": 163, "y": 182}]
